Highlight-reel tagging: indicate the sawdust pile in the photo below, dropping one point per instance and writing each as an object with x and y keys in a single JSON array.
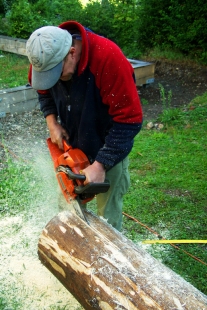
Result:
[{"x": 24, "y": 282}]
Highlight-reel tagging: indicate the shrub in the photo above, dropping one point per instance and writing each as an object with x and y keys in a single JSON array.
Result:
[
  {"x": 21, "y": 20},
  {"x": 176, "y": 24}
]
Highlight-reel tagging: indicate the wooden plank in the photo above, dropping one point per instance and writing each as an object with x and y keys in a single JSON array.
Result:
[{"x": 13, "y": 45}]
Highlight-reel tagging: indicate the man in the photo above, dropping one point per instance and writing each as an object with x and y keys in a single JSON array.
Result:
[{"x": 86, "y": 81}]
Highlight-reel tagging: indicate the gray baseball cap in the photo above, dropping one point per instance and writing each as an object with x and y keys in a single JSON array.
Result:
[{"x": 46, "y": 48}]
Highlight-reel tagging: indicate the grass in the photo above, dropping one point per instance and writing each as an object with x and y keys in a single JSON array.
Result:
[
  {"x": 161, "y": 53},
  {"x": 168, "y": 189},
  {"x": 17, "y": 186},
  {"x": 14, "y": 70}
]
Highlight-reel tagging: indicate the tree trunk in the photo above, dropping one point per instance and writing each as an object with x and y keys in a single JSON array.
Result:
[{"x": 105, "y": 270}]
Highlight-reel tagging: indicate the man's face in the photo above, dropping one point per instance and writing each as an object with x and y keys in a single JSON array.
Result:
[
  {"x": 69, "y": 67},
  {"x": 70, "y": 63}
]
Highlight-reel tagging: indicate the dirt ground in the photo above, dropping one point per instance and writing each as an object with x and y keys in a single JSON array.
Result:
[
  {"x": 185, "y": 81},
  {"x": 22, "y": 277}
]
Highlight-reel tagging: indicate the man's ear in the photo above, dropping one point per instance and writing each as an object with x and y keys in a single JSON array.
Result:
[{"x": 72, "y": 51}]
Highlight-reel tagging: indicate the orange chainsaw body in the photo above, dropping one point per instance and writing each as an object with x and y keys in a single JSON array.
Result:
[{"x": 71, "y": 158}]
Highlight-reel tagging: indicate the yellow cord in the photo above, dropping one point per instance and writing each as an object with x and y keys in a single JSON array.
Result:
[{"x": 173, "y": 241}]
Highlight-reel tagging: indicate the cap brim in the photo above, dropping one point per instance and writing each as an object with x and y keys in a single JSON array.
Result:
[{"x": 46, "y": 79}]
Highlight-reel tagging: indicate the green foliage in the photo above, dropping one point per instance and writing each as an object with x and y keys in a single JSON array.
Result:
[
  {"x": 168, "y": 53},
  {"x": 3, "y": 302},
  {"x": 5, "y": 8},
  {"x": 165, "y": 98},
  {"x": 174, "y": 24},
  {"x": 2, "y": 10},
  {"x": 171, "y": 115},
  {"x": 25, "y": 16},
  {"x": 199, "y": 101},
  {"x": 187, "y": 26},
  {"x": 144, "y": 101},
  {"x": 136, "y": 26},
  {"x": 8, "y": 303},
  {"x": 5, "y": 5},
  {"x": 195, "y": 112},
  {"x": 150, "y": 22},
  {"x": 68, "y": 10},
  {"x": 126, "y": 17},
  {"x": 98, "y": 16},
  {"x": 21, "y": 20},
  {"x": 57, "y": 12},
  {"x": 115, "y": 20}
]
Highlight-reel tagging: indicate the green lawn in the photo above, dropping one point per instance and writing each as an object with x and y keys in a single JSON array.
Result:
[
  {"x": 168, "y": 190},
  {"x": 14, "y": 70}
]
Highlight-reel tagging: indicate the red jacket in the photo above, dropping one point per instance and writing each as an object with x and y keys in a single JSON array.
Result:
[{"x": 101, "y": 111}]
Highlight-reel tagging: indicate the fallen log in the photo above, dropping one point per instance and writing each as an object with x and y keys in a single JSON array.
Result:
[{"x": 102, "y": 269}]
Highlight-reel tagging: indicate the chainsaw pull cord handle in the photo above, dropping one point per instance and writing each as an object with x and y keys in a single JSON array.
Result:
[
  {"x": 66, "y": 145},
  {"x": 71, "y": 175}
]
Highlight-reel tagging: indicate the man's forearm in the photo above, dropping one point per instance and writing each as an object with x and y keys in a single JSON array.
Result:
[
  {"x": 51, "y": 120},
  {"x": 57, "y": 132},
  {"x": 118, "y": 144}
]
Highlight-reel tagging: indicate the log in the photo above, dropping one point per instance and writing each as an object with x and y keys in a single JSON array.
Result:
[{"x": 102, "y": 269}]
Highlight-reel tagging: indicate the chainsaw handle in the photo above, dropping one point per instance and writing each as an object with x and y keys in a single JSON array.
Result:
[
  {"x": 75, "y": 176},
  {"x": 70, "y": 174}
]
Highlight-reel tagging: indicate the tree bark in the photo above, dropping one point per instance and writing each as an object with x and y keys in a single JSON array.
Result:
[{"x": 105, "y": 270}]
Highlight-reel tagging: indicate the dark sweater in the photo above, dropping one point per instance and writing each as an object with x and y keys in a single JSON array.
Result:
[{"x": 100, "y": 107}]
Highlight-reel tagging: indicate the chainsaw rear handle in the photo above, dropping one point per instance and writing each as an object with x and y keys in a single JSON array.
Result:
[
  {"x": 90, "y": 188},
  {"x": 93, "y": 188}
]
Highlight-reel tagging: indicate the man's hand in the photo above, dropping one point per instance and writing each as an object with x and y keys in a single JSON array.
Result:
[
  {"x": 94, "y": 173},
  {"x": 57, "y": 132}
]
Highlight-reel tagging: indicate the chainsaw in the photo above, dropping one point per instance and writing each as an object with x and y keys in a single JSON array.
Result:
[{"x": 69, "y": 164}]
